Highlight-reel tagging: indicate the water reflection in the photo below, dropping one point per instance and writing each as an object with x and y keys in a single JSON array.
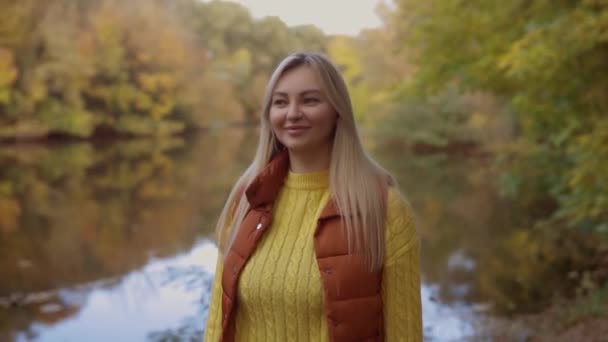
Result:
[
  {"x": 149, "y": 303},
  {"x": 168, "y": 299},
  {"x": 83, "y": 216},
  {"x": 98, "y": 241}
]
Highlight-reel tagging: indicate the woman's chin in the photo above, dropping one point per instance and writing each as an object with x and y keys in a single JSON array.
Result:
[{"x": 297, "y": 145}]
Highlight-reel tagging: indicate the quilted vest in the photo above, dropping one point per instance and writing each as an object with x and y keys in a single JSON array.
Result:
[{"x": 352, "y": 294}]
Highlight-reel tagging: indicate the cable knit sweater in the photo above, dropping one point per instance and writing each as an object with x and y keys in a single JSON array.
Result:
[{"x": 280, "y": 293}]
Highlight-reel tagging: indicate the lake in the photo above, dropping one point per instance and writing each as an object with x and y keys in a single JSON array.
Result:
[{"x": 112, "y": 241}]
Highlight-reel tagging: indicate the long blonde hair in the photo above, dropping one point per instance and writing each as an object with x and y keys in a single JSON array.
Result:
[{"x": 355, "y": 179}]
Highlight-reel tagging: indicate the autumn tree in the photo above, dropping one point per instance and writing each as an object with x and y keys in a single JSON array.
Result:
[{"x": 546, "y": 61}]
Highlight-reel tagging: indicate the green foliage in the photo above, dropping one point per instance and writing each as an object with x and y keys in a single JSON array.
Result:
[
  {"x": 589, "y": 306},
  {"x": 527, "y": 269},
  {"x": 546, "y": 59},
  {"x": 584, "y": 196},
  {"x": 437, "y": 120},
  {"x": 372, "y": 74},
  {"x": 345, "y": 53}
]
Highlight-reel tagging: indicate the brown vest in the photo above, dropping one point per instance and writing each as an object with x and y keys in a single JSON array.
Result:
[{"x": 353, "y": 301}]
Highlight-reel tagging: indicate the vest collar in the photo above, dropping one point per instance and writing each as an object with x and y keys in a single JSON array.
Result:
[{"x": 265, "y": 187}]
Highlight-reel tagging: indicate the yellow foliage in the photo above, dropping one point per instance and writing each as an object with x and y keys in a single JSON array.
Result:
[
  {"x": 8, "y": 71},
  {"x": 137, "y": 67},
  {"x": 10, "y": 211},
  {"x": 24, "y": 128}
]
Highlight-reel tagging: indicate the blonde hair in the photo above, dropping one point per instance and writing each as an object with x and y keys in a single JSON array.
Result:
[{"x": 356, "y": 181}]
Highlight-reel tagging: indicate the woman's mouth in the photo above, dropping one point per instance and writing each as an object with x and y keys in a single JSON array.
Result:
[{"x": 295, "y": 130}]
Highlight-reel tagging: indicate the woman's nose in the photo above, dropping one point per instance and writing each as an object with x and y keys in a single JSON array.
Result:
[{"x": 293, "y": 112}]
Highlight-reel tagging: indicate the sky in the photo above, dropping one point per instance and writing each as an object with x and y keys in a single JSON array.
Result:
[{"x": 332, "y": 16}]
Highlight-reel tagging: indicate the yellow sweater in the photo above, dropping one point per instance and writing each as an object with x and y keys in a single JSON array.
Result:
[{"x": 280, "y": 294}]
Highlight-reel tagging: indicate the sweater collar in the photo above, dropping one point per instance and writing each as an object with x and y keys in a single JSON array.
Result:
[
  {"x": 265, "y": 188},
  {"x": 307, "y": 181}
]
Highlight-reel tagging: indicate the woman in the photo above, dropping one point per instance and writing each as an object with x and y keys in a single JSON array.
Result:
[{"x": 316, "y": 241}]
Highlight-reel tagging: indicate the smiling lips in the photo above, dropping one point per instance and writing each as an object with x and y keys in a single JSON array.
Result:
[{"x": 295, "y": 130}]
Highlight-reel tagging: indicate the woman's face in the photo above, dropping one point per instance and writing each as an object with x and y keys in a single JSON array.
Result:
[{"x": 300, "y": 116}]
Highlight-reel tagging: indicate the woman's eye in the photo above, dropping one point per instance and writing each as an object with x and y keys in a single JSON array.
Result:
[
  {"x": 279, "y": 102},
  {"x": 311, "y": 100}
]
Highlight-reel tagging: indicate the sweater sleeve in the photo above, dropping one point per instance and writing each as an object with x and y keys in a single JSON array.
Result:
[
  {"x": 401, "y": 276},
  {"x": 214, "y": 321}
]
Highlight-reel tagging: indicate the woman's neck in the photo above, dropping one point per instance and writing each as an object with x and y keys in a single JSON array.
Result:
[{"x": 306, "y": 162}]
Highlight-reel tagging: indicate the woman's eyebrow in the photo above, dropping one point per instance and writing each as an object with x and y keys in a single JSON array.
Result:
[
  {"x": 311, "y": 92},
  {"x": 302, "y": 93}
]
